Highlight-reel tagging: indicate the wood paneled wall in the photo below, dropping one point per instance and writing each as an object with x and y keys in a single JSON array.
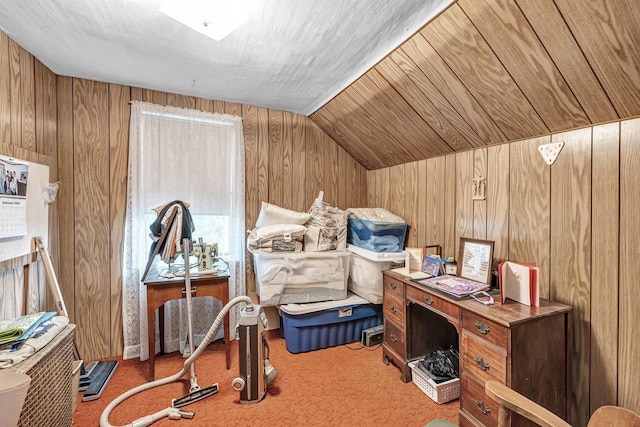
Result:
[
  {"x": 288, "y": 161},
  {"x": 577, "y": 219}
]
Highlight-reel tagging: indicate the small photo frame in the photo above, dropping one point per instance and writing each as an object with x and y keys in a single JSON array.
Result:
[
  {"x": 475, "y": 259},
  {"x": 432, "y": 265}
]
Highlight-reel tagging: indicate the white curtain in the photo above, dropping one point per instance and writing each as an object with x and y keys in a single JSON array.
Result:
[{"x": 196, "y": 157}]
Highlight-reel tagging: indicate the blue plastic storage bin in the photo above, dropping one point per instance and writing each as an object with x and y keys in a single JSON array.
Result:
[
  {"x": 377, "y": 236},
  {"x": 328, "y": 327}
]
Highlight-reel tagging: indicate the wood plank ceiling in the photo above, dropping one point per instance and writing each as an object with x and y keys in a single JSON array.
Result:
[{"x": 491, "y": 71}]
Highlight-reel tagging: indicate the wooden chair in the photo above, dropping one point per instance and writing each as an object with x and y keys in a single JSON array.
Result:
[{"x": 511, "y": 401}]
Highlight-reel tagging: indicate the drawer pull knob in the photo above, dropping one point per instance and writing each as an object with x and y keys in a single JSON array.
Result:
[
  {"x": 428, "y": 299},
  {"x": 393, "y": 309},
  {"x": 483, "y": 408},
  {"x": 393, "y": 338},
  {"x": 484, "y": 329},
  {"x": 482, "y": 364},
  {"x": 392, "y": 285}
]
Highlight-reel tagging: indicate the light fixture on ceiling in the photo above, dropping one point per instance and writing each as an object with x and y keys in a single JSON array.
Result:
[{"x": 213, "y": 18}]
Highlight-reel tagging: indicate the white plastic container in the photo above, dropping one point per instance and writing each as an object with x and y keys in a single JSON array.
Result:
[
  {"x": 13, "y": 392},
  {"x": 300, "y": 277},
  {"x": 365, "y": 272}
]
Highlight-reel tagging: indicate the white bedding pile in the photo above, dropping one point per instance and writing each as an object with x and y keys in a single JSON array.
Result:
[{"x": 10, "y": 357}]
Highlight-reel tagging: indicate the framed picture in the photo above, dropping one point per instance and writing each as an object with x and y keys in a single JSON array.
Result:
[
  {"x": 475, "y": 259},
  {"x": 431, "y": 264}
]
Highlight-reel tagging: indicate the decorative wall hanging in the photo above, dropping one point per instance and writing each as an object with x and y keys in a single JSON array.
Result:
[{"x": 550, "y": 151}]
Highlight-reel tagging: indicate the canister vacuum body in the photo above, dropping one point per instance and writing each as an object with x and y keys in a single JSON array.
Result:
[{"x": 255, "y": 367}]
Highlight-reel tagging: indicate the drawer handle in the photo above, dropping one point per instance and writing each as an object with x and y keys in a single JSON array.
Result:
[
  {"x": 393, "y": 309},
  {"x": 483, "y": 407},
  {"x": 484, "y": 329},
  {"x": 393, "y": 286},
  {"x": 393, "y": 338},
  {"x": 184, "y": 291},
  {"x": 428, "y": 299},
  {"x": 482, "y": 364}
]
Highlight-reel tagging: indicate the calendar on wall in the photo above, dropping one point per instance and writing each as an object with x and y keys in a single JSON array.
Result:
[{"x": 14, "y": 178}]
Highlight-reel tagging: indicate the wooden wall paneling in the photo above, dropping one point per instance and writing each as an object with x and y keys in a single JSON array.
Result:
[
  {"x": 230, "y": 108},
  {"x": 607, "y": 34},
  {"x": 299, "y": 163},
  {"x": 425, "y": 98},
  {"x": 480, "y": 206},
  {"x": 276, "y": 152},
  {"x": 331, "y": 182},
  {"x": 119, "y": 117},
  {"x": 372, "y": 179},
  {"x": 39, "y": 105},
  {"x": 340, "y": 111},
  {"x": 27, "y": 89},
  {"x": 462, "y": 47},
  {"x": 410, "y": 209},
  {"x": 416, "y": 127},
  {"x": 436, "y": 196},
  {"x": 345, "y": 178},
  {"x": 450, "y": 248},
  {"x": 66, "y": 221},
  {"x": 629, "y": 298},
  {"x": 605, "y": 208},
  {"x": 529, "y": 200},
  {"x": 429, "y": 62},
  {"x": 91, "y": 203},
  {"x": 287, "y": 159},
  {"x": 203, "y": 104},
  {"x": 182, "y": 101},
  {"x": 382, "y": 188},
  {"x": 498, "y": 200},
  {"x": 314, "y": 161},
  {"x": 463, "y": 194},
  {"x": 570, "y": 257},
  {"x": 48, "y": 146},
  {"x": 526, "y": 60},
  {"x": 155, "y": 97},
  {"x": 219, "y": 106},
  {"x": 136, "y": 94},
  {"x": 396, "y": 189},
  {"x": 251, "y": 200},
  {"x": 360, "y": 183},
  {"x": 422, "y": 184},
  {"x": 16, "y": 105},
  {"x": 325, "y": 119},
  {"x": 5, "y": 90},
  {"x": 262, "y": 140},
  {"x": 389, "y": 144},
  {"x": 551, "y": 29}
]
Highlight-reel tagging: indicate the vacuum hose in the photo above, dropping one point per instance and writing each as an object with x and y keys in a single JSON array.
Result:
[{"x": 171, "y": 412}]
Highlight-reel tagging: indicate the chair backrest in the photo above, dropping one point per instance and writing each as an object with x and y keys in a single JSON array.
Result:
[{"x": 614, "y": 416}]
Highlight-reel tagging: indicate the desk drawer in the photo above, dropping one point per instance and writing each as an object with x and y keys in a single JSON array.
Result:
[
  {"x": 485, "y": 329},
  {"x": 393, "y": 308},
  {"x": 475, "y": 402},
  {"x": 433, "y": 302},
  {"x": 481, "y": 361},
  {"x": 394, "y": 287},
  {"x": 394, "y": 337}
]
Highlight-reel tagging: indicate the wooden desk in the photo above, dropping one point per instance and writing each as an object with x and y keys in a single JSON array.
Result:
[
  {"x": 161, "y": 290},
  {"x": 522, "y": 347}
]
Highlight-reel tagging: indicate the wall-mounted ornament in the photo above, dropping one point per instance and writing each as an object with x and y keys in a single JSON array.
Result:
[
  {"x": 550, "y": 151},
  {"x": 479, "y": 187}
]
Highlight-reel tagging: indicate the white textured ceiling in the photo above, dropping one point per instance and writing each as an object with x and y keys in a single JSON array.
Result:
[{"x": 292, "y": 55}]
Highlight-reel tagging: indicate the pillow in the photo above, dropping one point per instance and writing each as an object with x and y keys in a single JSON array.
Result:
[
  {"x": 275, "y": 230},
  {"x": 272, "y": 214}
]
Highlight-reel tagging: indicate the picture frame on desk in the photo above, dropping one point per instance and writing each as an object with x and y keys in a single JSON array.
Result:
[{"x": 475, "y": 259}]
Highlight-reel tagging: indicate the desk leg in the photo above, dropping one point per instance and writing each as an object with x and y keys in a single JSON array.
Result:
[{"x": 151, "y": 332}]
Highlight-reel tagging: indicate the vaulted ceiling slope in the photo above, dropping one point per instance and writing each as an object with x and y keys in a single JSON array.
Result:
[{"x": 490, "y": 71}]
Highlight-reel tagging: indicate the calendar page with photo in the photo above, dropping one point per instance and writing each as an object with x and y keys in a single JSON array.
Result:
[{"x": 14, "y": 176}]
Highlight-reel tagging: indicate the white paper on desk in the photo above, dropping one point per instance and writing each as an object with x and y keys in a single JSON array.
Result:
[{"x": 516, "y": 283}]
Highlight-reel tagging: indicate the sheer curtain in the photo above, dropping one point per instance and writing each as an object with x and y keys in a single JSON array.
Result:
[{"x": 196, "y": 157}]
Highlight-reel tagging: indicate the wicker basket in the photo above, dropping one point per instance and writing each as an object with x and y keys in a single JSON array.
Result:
[
  {"x": 441, "y": 393},
  {"x": 49, "y": 399}
]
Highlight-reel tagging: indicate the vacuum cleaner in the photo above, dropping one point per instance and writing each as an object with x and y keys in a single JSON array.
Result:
[{"x": 256, "y": 370}]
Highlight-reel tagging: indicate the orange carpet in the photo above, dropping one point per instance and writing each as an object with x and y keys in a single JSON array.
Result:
[{"x": 339, "y": 386}]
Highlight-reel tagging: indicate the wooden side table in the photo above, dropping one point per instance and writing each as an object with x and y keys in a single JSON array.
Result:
[{"x": 161, "y": 290}]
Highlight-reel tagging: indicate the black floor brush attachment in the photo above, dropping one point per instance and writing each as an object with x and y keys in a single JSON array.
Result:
[{"x": 194, "y": 396}]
